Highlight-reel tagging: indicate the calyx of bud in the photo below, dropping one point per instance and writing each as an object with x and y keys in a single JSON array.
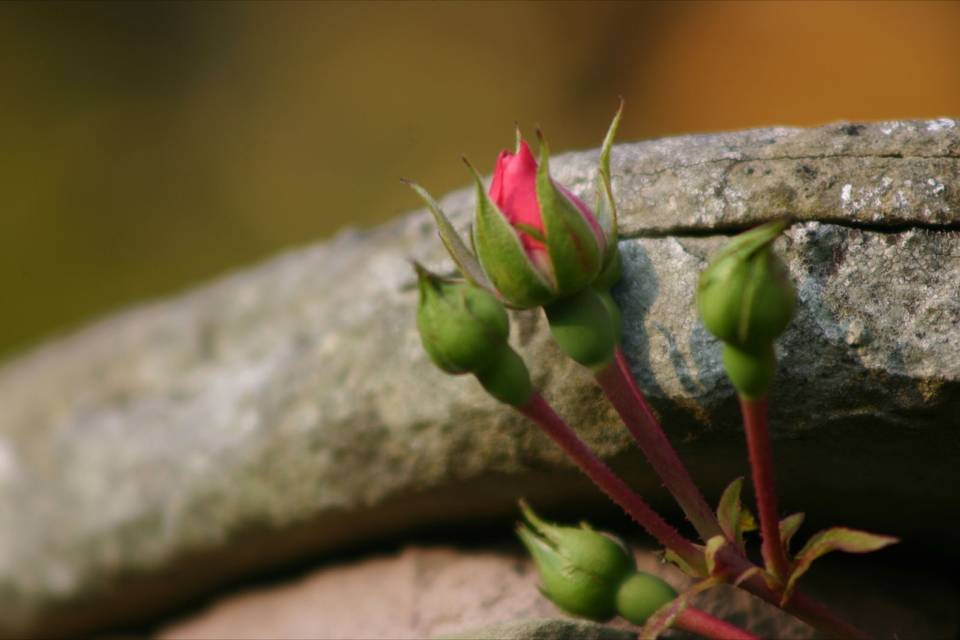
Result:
[{"x": 581, "y": 569}]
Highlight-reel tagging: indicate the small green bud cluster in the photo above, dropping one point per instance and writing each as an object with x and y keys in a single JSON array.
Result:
[
  {"x": 746, "y": 299},
  {"x": 464, "y": 329},
  {"x": 591, "y": 574}
]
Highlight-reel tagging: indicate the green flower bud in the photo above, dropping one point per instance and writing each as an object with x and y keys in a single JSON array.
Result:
[
  {"x": 585, "y": 328},
  {"x": 581, "y": 570},
  {"x": 751, "y": 372},
  {"x": 640, "y": 596},
  {"x": 462, "y": 326},
  {"x": 745, "y": 295}
]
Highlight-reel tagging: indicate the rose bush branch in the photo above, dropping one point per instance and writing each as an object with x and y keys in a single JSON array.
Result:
[
  {"x": 537, "y": 244},
  {"x": 464, "y": 330},
  {"x": 746, "y": 299},
  {"x": 567, "y": 261}
]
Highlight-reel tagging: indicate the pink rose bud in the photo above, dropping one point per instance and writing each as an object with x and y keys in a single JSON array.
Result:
[{"x": 536, "y": 242}]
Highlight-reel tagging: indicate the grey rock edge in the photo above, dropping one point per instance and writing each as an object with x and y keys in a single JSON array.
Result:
[{"x": 289, "y": 410}]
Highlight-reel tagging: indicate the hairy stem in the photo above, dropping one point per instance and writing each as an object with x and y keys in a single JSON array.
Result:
[
  {"x": 705, "y": 625},
  {"x": 618, "y": 384},
  {"x": 729, "y": 558},
  {"x": 538, "y": 410},
  {"x": 761, "y": 464}
]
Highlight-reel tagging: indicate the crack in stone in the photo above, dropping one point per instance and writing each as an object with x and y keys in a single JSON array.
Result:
[
  {"x": 734, "y": 229},
  {"x": 736, "y": 161}
]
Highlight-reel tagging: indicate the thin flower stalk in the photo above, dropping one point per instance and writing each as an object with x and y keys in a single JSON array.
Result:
[
  {"x": 708, "y": 626},
  {"x": 618, "y": 384},
  {"x": 538, "y": 410},
  {"x": 733, "y": 562},
  {"x": 761, "y": 464}
]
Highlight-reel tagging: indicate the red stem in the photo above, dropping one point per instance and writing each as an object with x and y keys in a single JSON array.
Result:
[
  {"x": 708, "y": 626},
  {"x": 538, "y": 410},
  {"x": 761, "y": 463},
  {"x": 730, "y": 559},
  {"x": 618, "y": 384},
  {"x": 732, "y": 562}
]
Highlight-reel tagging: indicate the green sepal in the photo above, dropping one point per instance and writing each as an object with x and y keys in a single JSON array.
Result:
[
  {"x": 750, "y": 372},
  {"x": 641, "y": 595},
  {"x": 506, "y": 377},
  {"x": 745, "y": 296},
  {"x": 502, "y": 255},
  {"x": 458, "y": 251},
  {"x": 583, "y": 328},
  {"x": 461, "y": 325},
  {"x": 575, "y": 252},
  {"x": 834, "y": 539},
  {"x": 610, "y": 274},
  {"x": 581, "y": 570},
  {"x": 606, "y": 207}
]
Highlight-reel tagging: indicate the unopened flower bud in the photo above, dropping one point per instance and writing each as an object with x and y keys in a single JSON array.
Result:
[
  {"x": 464, "y": 329},
  {"x": 462, "y": 326},
  {"x": 745, "y": 295},
  {"x": 581, "y": 570}
]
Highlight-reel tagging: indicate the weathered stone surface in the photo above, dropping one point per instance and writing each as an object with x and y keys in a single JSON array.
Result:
[
  {"x": 417, "y": 593},
  {"x": 289, "y": 409}
]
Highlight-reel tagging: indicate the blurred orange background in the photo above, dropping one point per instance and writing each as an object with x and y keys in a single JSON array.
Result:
[{"x": 149, "y": 146}]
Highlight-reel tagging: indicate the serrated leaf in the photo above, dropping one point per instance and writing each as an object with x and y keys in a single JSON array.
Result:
[
  {"x": 502, "y": 255},
  {"x": 788, "y": 527},
  {"x": 464, "y": 260},
  {"x": 729, "y": 509},
  {"x": 606, "y": 206},
  {"x": 572, "y": 244},
  {"x": 666, "y": 615},
  {"x": 733, "y": 517},
  {"x": 835, "y": 539}
]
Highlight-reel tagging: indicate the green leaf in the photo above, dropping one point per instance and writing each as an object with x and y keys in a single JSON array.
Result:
[
  {"x": 835, "y": 539},
  {"x": 734, "y": 519},
  {"x": 464, "y": 260},
  {"x": 574, "y": 249},
  {"x": 502, "y": 256},
  {"x": 606, "y": 206},
  {"x": 728, "y": 511},
  {"x": 788, "y": 527},
  {"x": 666, "y": 615}
]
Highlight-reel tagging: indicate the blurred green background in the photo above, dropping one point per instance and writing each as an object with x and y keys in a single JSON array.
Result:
[{"x": 145, "y": 147}]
